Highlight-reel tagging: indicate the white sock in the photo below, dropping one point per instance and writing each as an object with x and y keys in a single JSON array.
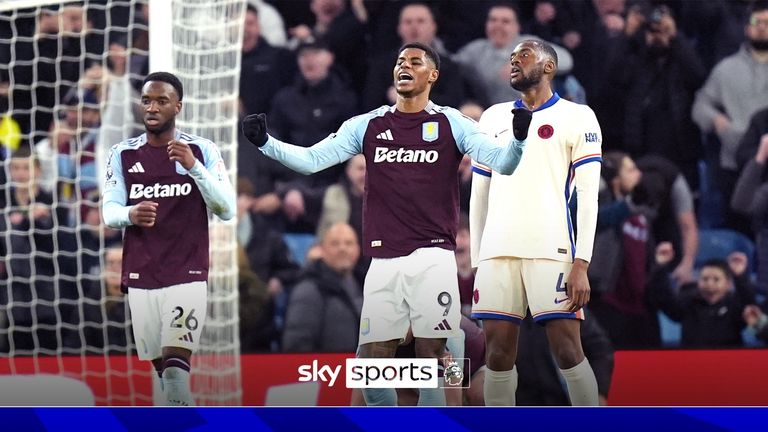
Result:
[
  {"x": 158, "y": 395},
  {"x": 177, "y": 388},
  {"x": 432, "y": 396},
  {"x": 500, "y": 387},
  {"x": 582, "y": 385},
  {"x": 380, "y": 396}
]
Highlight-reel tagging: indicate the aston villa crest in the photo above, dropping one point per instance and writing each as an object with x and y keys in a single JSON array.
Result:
[{"x": 429, "y": 131}]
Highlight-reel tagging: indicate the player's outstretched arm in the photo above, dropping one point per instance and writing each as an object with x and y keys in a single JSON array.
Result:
[
  {"x": 484, "y": 150},
  {"x": 333, "y": 150}
]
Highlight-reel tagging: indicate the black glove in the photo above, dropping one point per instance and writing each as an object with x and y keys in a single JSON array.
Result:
[
  {"x": 255, "y": 129},
  {"x": 520, "y": 121}
]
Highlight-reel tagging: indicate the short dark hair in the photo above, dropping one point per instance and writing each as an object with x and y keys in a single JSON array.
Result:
[
  {"x": 249, "y": 7},
  {"x": 431, "y": 53},
  {"x": 546, "y": 49},
  {"x": 169, "y": 78},
  {"x": 721, "y": 264},
  {"x": 757, "y": 6}
]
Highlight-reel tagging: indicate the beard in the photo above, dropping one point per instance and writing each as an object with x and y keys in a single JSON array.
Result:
[
  {"x": 758, "y": 44},
  {"x": 527, "y": 81},
  {"x": 158, "y": 128}
]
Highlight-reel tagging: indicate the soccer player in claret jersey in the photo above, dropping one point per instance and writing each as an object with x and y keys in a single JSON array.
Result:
[
  {"x": 522, "y": 233},
  {"x": 159, "y": 186},
  {"x": 411, "y": 207}
]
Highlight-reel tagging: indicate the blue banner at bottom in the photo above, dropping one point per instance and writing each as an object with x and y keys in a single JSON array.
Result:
[{"x": 382, "y": 419}]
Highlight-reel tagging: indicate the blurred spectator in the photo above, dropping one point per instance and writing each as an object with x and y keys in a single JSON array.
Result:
[
  {"x": 105, "y": 322},
  {"x": 268, "y": 255},
  {"x": 256, "y": 327},
  {"x": 590, "y": 30},
  {"x": 44, "y": 62},
  {"x": 750, "y": 197},
  {"x": 757, "y": 320},
  {"x": 323, "y": 313},
  {"x": 417, "y": 24},
  {"x": 76, "y": 148},
  {"x": 121, "y": 114},
  {"x": 661, "y": 72},
  {"x": 341, "y": 27},
  {"x": 619, "y": 270},
  {"x": 716, "y": 26},
  {"x": 725, "y": 105},
  {"x": 711, "y": 309},
  {"x": 676, "y": 219},
  {"x": 270, "y": 22},
  {"x": 265, "y": 68},
  {"x": 488, "y": 58},
  {"x": 304, "y": 114},
  {"x": 29, "y": 283},
  {"x": 539, "y": 382},
  {"x": 343, "y": 202}
]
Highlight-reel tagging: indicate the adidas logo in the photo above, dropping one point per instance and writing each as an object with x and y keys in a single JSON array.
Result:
[
  {"x": 188, "y": 337},
  {"x": 443, "y": 326},
  {"x": 386, "y": 135},
  {"x": 136, "y": 168}
]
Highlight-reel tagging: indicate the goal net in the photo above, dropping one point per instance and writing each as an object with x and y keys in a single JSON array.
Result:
[{"x": 70, "y": 75}]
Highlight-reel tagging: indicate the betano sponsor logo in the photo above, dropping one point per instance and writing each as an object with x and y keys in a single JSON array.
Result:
[
  {"x": 385, "y": 154},
  {"x": 158, "y": 190}
]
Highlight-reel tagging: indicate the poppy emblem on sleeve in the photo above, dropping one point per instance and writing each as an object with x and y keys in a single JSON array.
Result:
[
  {"x": 476, "y": 295},
  {"x": 546, "y": 131}
]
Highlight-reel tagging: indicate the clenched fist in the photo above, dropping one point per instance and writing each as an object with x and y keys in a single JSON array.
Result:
[
  {"x": 521, "y": 119},
  {"x": 255, "y": 129}
]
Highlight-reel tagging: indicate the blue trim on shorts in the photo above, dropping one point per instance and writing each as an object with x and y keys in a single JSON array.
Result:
[
  {"x": 555, "y": 315},
  {"x": 494, "y": 316}
]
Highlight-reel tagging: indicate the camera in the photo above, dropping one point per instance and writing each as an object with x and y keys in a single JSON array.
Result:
[{"x": 657, "y": 14}]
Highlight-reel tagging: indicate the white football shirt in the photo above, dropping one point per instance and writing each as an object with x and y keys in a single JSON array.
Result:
[{"x": 526, "y": 214}]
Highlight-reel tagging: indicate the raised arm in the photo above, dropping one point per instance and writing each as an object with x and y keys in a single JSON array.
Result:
[
  {"x": 333, "y": 150},
  {"x": 481, "y": 147}
]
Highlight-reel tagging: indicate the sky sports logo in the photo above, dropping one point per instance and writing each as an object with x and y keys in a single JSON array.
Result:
[{"x": 387, "y": 373}]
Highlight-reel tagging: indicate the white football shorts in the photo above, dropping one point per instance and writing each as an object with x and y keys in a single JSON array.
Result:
[
  {"x": 506, "y": 287},
  {"x": 168, "y": 317},
  {"x": 420, "y": 290}
]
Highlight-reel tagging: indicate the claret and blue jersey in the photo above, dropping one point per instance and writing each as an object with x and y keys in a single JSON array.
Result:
[
  {"x": 411, "y": 193},
  {"x": 175, "y": 249}
]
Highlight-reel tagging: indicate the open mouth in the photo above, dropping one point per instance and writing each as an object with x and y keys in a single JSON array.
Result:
[
  {"x": 514, "y": 72},
  {"x": 152, "y": 120},
  {"x": 404, "y": 77}
]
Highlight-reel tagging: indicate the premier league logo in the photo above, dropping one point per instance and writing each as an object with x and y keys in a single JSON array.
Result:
[{"x": 454, "y": 374}]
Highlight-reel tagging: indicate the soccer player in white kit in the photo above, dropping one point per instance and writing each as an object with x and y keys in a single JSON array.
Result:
[
  {"x": 522, "y": 232},
  {"x": 159, "y": 187}
]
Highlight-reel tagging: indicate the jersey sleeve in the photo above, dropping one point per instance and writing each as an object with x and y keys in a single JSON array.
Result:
[
  {"x": 115, "y": 196},
  {"x": 212, "y": 180},
  {"x": 480, "y": 147},
  {"x": 478, "y": 209},
  {"x": 586, "y": 156},
  {"x": 333, "y": 150}
]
